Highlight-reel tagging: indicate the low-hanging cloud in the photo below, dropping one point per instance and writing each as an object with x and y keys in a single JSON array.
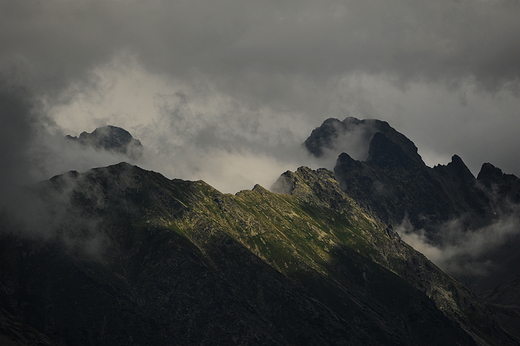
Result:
[
  {"x": 213, "y": 142},
  {"x": 51, "y": 215},
  {"x": 301, "y": 60},
  {"x": 227, "y": 91},
  {"x": 18, "y": 116},
  {"x": 461, "y": 251}
]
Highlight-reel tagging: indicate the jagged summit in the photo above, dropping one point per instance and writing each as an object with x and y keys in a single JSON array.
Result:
[
  {"x": 354, "y": 136},
  {"x": 385, "y": 153},
  {"x": 459, "y": 169},
  {"x": 393, "y": 181},
  {"x": 185, "y": 264},
  {"x": 506, "y": 186},
  {"x": 110, "y": 138},
  {"x": 443, "y": 205},
  {"x": 489, "y": 171}
]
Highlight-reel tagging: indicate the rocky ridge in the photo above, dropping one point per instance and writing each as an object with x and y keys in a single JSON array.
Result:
[
  {"x": 393, "y": 183},
  {"x": 179, "y": 262}
]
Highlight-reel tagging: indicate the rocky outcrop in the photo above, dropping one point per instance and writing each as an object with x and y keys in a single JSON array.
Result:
[
  {"x": 394, "y": 183},
  {"x": 502, "y": 187},
  {"x": 110, "y": 138},
  {"x": 335, "y": 136},
  {"x": 395, "y": 187},
  {"x": 391, "y": 252}
]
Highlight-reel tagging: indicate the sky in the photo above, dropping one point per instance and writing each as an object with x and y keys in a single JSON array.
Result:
[{"x": 226, "y": 91}]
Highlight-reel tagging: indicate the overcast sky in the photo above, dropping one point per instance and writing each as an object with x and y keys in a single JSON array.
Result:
[{"x": 226, "y": 91}]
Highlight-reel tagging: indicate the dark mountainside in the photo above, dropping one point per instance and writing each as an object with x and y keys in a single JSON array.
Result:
[
  {"x": 110, "y": 138},
  {"x": 394, "y": 184},
  {"x": 133, "y": 258}
]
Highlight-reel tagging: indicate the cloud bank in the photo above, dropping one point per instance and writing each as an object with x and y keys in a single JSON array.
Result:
[
  {"x": 461, "y": 251},
  {"x": 224, "y": 88}
]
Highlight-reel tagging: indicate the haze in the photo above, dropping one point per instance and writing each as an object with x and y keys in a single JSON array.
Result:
[{"x": 226, "y": 91}]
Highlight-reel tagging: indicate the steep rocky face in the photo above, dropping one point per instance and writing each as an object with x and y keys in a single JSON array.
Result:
[
  {"x": 463, "y": 189},
  {"x": 503, "y": 191},
  {"x": 111, "y": 138},
  {"x": 140, "y": 259},
  {"x": 504, "y": 300},
  {"x": 334, "y": 135},
  {"x": 395, "y": 187},
  {"x": 503, "y": 187},
  {"x": 394, "y": 183},
  {"x": 391, "y": 252}
]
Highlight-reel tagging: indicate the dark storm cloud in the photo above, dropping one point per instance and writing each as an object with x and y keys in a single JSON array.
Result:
[
  {"x": 59, "y": 42},
  {"x": 292, "y": 57},
  {"x": 17, "y": 111}
]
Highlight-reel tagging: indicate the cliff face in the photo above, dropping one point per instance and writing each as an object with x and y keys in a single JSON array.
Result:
[
  {"x": 395, "y": 184},
  {"x": 505, "y": 187},
  {"x": 333, "y": 135},
  {"x": 140, "y": 259},
  {"x": 388, "y": 250}
]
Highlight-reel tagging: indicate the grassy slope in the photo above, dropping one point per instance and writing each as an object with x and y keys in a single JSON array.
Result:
[
  {"x": 198, "y": 266},
  {"x": 315, "y": 229}
]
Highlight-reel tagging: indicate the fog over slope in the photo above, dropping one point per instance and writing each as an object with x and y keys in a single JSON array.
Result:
[{"x": 227, "y": 91}]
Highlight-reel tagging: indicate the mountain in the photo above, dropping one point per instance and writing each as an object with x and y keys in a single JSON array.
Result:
[
  {"x": 356, "y": 134},
  {"x": 505, "y": 187},
  {"x": 505, "y": 302},
  {"x": 110, "y": 138},
  {"x": 394, "y": 183},
  {"x": 127, "y": 256},
  {"x": 445, "y": 204}
]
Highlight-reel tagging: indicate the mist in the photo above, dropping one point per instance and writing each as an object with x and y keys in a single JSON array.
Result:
[
  {"x": 257, "y": 78},
  {"x": 460, "y": 251},
  {"x": 228, "y": 91}
]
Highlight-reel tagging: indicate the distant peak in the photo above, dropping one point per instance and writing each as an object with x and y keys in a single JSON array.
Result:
[
  {"x": 459, "y": 168},
  {"x": 353, "y": 136},
  {"x": 111, "y": 138},
  {"x": 488, "y": 171},
  {"x": 331, "y": 121},
  {"x": 259, "y": 188},
  {"x": 351, "y": 120},
  {"x": 456, "y": 159},
  {"x": 384, "y": 152}
]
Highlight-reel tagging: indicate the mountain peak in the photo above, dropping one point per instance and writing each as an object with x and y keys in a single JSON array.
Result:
[
  {"x": 177, "y": 255},
  {"x": 488, "y": 171},
  {"x": 385, "y": 153},
  {"x": 110, "y": 138},
  {"x": 353, "y": 136},
  {"x": 459, "y": 168},
  {"x": 505, "y": 185}
]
